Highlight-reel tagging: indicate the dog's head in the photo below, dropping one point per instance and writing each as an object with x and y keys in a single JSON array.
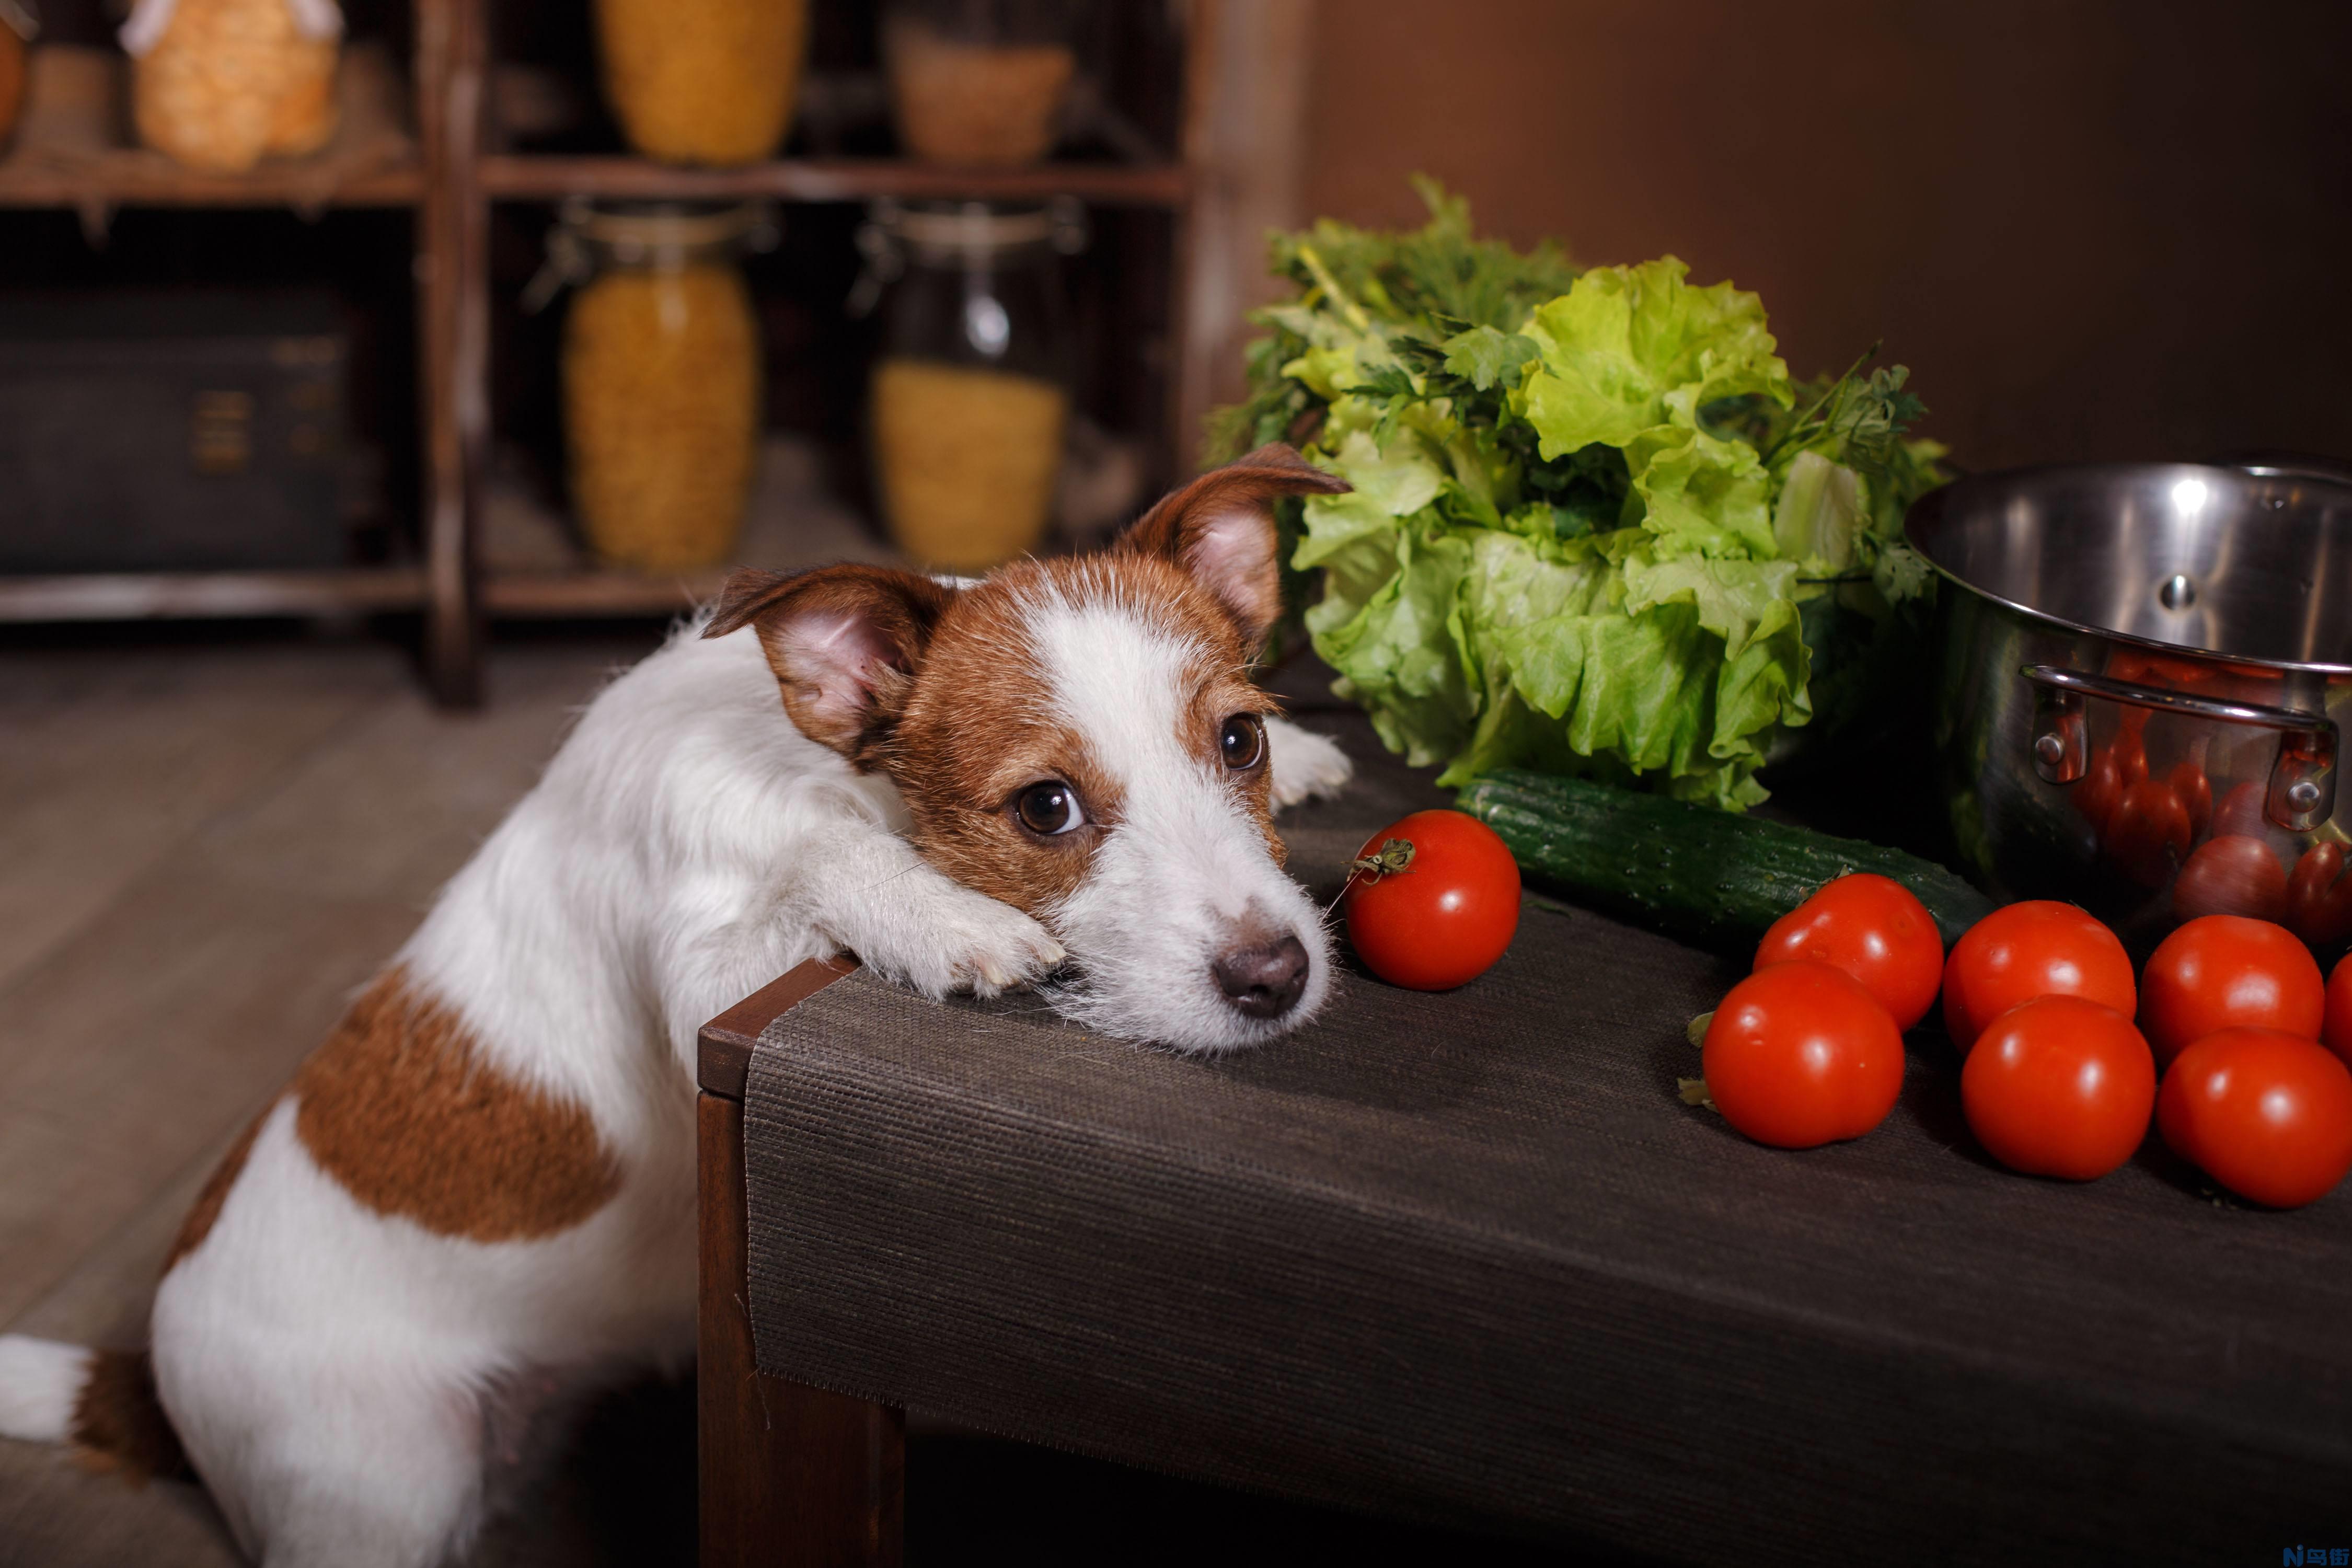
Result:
[{"x": 1080, "y": 738}]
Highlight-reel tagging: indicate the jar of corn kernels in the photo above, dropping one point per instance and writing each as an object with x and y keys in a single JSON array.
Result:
[
  {"x": 970, "y": 390},
  {"x": 220, "y": 85},
  {"x": 661, "y": 375},
  {"x": 702, "y": 81}
]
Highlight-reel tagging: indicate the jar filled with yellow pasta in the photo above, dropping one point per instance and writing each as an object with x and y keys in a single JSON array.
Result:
[
  {"x": 702, "y": 81},
  {"x": 220, "y": 85},
  {"x": 969, "y": 393},
  {"x": 661, "y": 373},
  {"x": 980, "y": 81}
]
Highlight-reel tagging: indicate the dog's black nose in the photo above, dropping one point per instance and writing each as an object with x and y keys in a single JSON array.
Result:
[{"x": 1262, "y": 980}]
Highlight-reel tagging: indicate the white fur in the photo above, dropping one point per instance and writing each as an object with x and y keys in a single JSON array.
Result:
[
  {"x": 1185, "y": 871},
  {"x": 1307, "y": 766},
  {"x": 333, "y": 1372},
  {"x": 39, "y": 1381}
]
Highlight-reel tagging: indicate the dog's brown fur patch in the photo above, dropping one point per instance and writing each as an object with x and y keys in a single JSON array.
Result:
[
  {"x": 974, "y": 733},
  {"x": 843, "y": 693},
  {"x": 119, "y": 1425},
  {"x": 207, "y": 1208},
  {"x": 1201, "y": 729},
  {"x": 1239, "y": 567},
  {"x": 942, "y": 690},
  {"x": 979, "y": 725},
  {"x": 399, "y": 1109}
]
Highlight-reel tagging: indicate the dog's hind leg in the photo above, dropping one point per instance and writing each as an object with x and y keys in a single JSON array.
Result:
[
  {"x": 352, "y": 1467},
  {"x": 323, "y": 1367}
]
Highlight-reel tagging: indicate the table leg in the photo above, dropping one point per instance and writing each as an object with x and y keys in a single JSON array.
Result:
[{"x": 792, "y": 1477}]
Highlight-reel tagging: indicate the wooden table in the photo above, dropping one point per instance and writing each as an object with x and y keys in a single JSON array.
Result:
[{"x": 1469, "y": 1260}]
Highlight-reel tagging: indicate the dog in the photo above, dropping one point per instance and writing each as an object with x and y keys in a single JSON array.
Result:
[{"x": 483, "y": 1183}]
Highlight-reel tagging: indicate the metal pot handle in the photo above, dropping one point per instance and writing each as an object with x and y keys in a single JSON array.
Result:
[
  {"x": 2282, "y": 464},
  {"x": 2302, "y": 791}
]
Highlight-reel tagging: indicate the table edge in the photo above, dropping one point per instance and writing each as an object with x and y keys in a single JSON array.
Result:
[{"x": 724, "y": 1045}]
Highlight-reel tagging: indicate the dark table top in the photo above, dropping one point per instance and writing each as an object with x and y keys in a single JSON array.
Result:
[{"x": 1470, "y": 1256}]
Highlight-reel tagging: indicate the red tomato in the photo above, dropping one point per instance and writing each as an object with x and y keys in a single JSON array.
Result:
[
  {"x": 2060, "y": 1087},
  {"x": 2196, "y": 792},
  {"x": 2226, "y": 972},
  {"x": 2235, "y": 874},
  {"x": 2266, "y": 1114},
  {"x": 1444, "y": 919},
  {"x": 2129, "y": 749},
  {"x": 2038, "y": 948},
  {"x": 1801, "y": 1054},
  {"x": 2096, "y": 792},
  {"x": 2319, "y": 897},
  {"x": 2148, "y": 832},
  {"x": 2335, "y": 1029},
  {"x": 2241, "y": 810},
  {"x": 1874, "y": 928},
  {"x": 2176, "y": 672}
]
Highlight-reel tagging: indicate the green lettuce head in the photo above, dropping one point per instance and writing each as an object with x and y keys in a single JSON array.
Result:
[{"x": 1601, "y": 533}]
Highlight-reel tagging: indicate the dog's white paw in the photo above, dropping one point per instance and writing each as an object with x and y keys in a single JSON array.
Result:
[
  {"x": 1305, "y": 765},
  {"x": 964, "y": 941}
]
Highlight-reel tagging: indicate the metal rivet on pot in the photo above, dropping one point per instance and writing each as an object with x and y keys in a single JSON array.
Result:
[
  {"x": 2176, "y": 592},
  {"x": 2051, "y": 749},
  {"x": 2303, "y": 794}
]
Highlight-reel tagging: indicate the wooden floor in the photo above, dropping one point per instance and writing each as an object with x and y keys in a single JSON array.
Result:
[{"x": 205, "y": 845}]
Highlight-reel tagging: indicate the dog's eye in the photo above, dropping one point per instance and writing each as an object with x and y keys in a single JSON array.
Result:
[
  {"x": 1244, "y": 742},
  {"x": 1049, "y": 809}
]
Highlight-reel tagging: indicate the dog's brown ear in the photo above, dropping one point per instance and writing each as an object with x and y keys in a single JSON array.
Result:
[
  {"x": 845, "y": 642},
  {"x": 1220, "y": 528}
]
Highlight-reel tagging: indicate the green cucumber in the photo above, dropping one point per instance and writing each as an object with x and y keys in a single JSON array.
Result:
[{"x": 1707, "y": 876}]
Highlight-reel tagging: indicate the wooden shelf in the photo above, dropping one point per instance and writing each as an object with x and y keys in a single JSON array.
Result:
[
  {"x": 553, "y": 595},
  {"x": 512, "y": 176},
  {"x": 532, "y": 568},
  {"x": 69, "y": 152},
  {"x": 415, "y": 133},
  {"x": 155, "y": 595}
]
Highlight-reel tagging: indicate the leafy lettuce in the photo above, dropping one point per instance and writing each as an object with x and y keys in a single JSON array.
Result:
[{"x": 1595, "y": 526}]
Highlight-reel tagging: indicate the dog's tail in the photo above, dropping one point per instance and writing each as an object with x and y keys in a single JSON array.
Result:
[{"x": 102, "y": 1402}]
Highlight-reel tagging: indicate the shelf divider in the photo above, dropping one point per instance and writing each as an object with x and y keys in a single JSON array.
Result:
[
  {"x": 66, "y": 152},
  {"x": 515, "y": 176},
  {"x": 163, "y": 595}
]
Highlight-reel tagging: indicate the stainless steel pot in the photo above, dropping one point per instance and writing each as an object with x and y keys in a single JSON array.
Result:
[{"x": 2142, "y": 672}]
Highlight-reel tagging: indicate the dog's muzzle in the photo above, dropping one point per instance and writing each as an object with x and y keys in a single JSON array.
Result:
[{"x": 1262, "y": 979}]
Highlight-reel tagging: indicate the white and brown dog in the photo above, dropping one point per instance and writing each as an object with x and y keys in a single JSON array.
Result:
[{"x": 484, "y": 1180}]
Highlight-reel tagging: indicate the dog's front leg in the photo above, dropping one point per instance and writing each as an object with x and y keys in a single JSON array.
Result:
[
  {"x": 1305, "y": 765},
  {"x": 868, "y": 892}
]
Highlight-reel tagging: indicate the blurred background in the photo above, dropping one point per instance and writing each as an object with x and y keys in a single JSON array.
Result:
[
  {"x": 532, "y": 312},
  {"x": 373, "y": 381},
  {"x": 2094, "y": 229}
]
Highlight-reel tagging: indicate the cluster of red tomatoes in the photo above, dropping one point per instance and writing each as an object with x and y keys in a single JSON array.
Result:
[
  {"x": 2058, "y": 1079},
  {"x": 2230, "y": 860}
]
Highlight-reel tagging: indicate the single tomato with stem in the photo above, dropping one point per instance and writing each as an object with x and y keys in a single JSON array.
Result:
[{"x": 1433, "y": 900}]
